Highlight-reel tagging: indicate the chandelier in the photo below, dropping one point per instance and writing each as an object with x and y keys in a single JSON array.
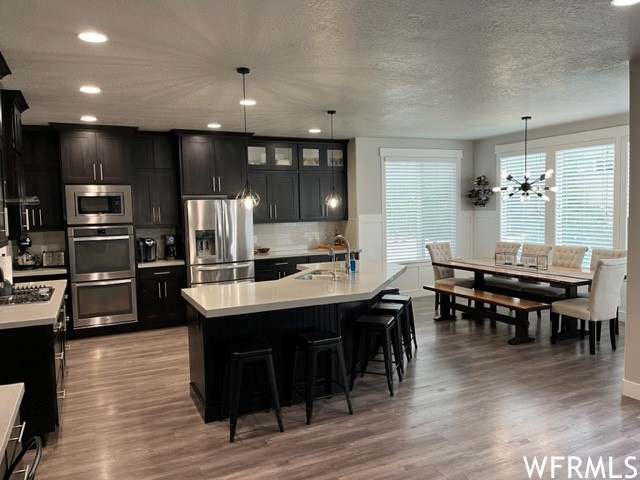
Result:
[
  {"x": 527, "y": 188},
  {"x": 248, "y": 196}
]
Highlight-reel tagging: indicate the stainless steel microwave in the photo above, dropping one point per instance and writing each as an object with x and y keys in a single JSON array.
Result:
[{"x": 98, "y": 204}]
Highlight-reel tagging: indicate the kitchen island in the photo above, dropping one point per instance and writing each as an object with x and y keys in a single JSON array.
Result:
[{"x": 271, "y": 311}]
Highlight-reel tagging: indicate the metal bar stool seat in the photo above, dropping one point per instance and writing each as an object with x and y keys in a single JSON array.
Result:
[
  {"x": 408, "y": 310},
  {"x": 398, "y": 311}
]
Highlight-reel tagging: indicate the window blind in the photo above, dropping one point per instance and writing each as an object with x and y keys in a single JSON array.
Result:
[
  {"x": 421, "y": 203},
  {"x": 522, "y": 221},
  {"x": 585, "y": 197}
]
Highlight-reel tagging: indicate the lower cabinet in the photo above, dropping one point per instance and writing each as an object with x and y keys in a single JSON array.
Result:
[
  {"x": 274, "y": 269},
  {"x": 160, "y": 303}
]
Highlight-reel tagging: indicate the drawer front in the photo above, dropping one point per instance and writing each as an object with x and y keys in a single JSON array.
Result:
[{"x": 160, "y": 272}]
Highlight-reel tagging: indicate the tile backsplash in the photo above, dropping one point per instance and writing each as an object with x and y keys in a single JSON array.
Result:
[
  {"x": 158, "y": 235},
  {"x": 281, "y": 237},
  {"x": 41, "y": 242}
]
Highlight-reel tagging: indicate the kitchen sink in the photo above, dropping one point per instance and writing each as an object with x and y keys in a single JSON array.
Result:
[{"x": 322, "y": 275}]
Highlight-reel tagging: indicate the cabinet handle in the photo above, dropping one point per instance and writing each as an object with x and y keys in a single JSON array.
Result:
[
  {"x": 281, "y": 263},
  {"x": 213, "y": 183},
  {"x": 165, "y": 290},
  {"x": 161, "y": 273},
  {"x": 62, "y": 394},
  {"x": 33, "y": 217},
  {"x": 270, "y": 216},
  {"x": 159, "y": 292},
  {"x": 219, "y": 187},
  {"x": 101, "y": 175},
  {"x": 26, "y": 214},
  {"x": 19, "y": 437},
  {"x": 40, "y": 215},
  {"x": 94, "y": 172},
  {"x": 159, "y": 215},
  {"x": 59, "y": 356}
]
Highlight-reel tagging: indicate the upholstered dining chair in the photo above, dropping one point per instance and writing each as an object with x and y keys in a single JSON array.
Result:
[
  {"x": 533, "y": 249},
  {"x": 501, "y": 281},
  {"x": 601, "y": 304},
  {"x": 565, "y": 256},
  {"x": 439, "y": 251}
]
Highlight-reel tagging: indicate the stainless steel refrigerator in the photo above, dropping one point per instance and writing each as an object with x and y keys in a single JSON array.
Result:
[{"x": 219, "y": 244}]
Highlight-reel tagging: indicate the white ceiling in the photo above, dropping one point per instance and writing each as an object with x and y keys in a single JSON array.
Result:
[{"x": 459, "y": 69}]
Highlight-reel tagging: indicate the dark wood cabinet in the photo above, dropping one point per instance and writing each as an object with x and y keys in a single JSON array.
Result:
[
  {"x": 156, "y": 200},
  {"x": 273, "y": 269},
  {"x": 212, "y": 165},
  {"x": 41, "y": 176},
  {"x": 322, "y": 156},
  {"x": 101, "y": 155},
  {"x": 314, "y": 187},
  {"x": 160, "y": 302},
  {"x": 278, "y": 196},
  {"x": 269, "y": 155}
]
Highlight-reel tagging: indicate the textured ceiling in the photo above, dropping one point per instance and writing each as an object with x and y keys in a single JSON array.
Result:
[{"x": 459, "y": 69}]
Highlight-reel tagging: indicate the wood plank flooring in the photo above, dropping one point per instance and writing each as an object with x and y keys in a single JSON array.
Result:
[{"x": 471, "y": 406}]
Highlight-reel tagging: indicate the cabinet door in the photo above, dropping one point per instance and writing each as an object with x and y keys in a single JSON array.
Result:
[
  {"x": 175, "y": 306},
  {"x": 142, "y": 152},
  {"x": 114, "y": 157},
  {"x": 142, "y": 207},
  {"x": 230, "y": 165},
  {"x": 312, "y": 156},
  {"x": 45, "y": 184},
  {"x": 160, "y": 302},
  {"x": 284, "y": 196},
  {"x": 197, "y": 155},
  {"x": 165, "y": 197},
  {"x": 260, "y": 182},
  {"x": 78, "y": 156},
  {"x": 312, "y": 205},
  {"x": 163, "y": 152}
]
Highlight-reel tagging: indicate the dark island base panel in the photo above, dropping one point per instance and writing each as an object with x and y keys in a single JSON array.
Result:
[{"x": 208, "y": 338}]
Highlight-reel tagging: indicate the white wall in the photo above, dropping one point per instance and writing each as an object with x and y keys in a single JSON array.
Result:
[{"x": 366, "y": 202}]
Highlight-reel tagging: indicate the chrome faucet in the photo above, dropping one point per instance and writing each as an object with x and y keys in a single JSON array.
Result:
[{"x": 347, "y": 259}]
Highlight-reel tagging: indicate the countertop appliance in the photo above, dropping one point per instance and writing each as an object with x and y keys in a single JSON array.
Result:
[
  {"x": 170, "y": 250},
  {"x": 35, "y": 293},
  {"x": 25, "y": 259},
  {"x": 219, "y": 241},
  {"x": 102, "y": 269},
  {"x": 53, "y": 258},
  {"x": 98, "y": 204},
  {"x": 149, "y": 250}
]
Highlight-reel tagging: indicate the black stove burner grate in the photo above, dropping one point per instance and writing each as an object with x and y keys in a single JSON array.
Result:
[{"x": 30, "y": 294}]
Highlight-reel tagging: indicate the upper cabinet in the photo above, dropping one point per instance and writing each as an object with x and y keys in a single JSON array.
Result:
[
  {"x": 265, "y": 155},
  {"x": 99, "y": 155},
  {"x": 212, "y": 165},
  {"x": 322, "y": 156},
  {"x": 314, "y": 188}
]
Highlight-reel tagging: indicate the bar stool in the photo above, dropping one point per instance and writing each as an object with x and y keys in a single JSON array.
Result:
[
  {"x": 248, "y": 351},
  {"x": 397, "y": 310},
  {"x": 312, "y": 343},
  {"x": 408, "y": 311},
  {"x": 383, "y": 326},
  {"x": 388, "y": 290}
]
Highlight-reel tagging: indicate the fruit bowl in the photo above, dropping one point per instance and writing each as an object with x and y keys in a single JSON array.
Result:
[{"x": 263, "y": 249}]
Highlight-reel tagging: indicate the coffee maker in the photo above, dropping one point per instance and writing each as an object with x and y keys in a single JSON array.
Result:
[{"x": 170, "y": 247}]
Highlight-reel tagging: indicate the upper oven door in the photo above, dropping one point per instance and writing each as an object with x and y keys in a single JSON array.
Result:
[
  {"x": 101, "y": 256},
  {"x": 98, "y": 204}
]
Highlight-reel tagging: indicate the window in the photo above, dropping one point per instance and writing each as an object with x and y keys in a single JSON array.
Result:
[
  {"x": 421, "y": 195},
  {"x": 584, "y": 201},
  {"x": 521, "y": 221}
]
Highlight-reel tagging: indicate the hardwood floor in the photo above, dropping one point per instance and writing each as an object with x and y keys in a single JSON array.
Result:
[{"x": 471, "y": 406}]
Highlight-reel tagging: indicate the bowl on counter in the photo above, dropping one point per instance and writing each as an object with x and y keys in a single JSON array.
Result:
[{"x": 262, "y": 250}]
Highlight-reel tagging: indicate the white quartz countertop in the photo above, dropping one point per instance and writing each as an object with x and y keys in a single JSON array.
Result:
[
  {"x": 36, "y": 313},
  {"x": 37, "y": 272},
  {"x": 10, "y": 398},
  {"x": 219, "y": 300},
  {"x": 161, "y": 263},
  {"x": 299, "y": 253}
]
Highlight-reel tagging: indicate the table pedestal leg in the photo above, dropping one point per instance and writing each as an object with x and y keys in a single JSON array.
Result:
[
  {"x": 522, "y": 329},
  {"x": 446, "y": 309}
]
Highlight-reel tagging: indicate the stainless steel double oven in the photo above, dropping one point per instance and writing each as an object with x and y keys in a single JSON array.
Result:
[{"x": 101, "y": 254}]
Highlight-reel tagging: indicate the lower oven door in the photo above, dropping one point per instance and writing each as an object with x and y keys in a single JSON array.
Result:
[
  {"x": 101, "y": 303},
  {"x": 221, "y": 272}
]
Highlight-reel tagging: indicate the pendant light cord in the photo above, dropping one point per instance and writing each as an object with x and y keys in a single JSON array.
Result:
[{"x": 244, "y": 107}]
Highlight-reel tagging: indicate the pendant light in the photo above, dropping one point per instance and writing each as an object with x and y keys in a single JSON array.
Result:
[
  {"x": 332, "y": 200},
  {"x": 248, "y": 196},
  {"x": 526, "y": 188}
]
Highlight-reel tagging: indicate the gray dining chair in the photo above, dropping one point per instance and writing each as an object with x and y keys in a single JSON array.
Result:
[
  {"x": 439, "y": 251},
  {"x": 600, "y": 305}
]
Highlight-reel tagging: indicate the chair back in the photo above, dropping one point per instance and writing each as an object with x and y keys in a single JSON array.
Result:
[
  {"x": 507, "y": 247},
  {"x": 568, "y": 256},
  {"x": 605, "y": 288},
  {"x": 599, "y": 253},
  {"x": 439, "y": 251},
  {"x": 535, "y": 249}
]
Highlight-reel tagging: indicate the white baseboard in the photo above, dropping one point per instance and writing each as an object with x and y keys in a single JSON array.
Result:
[{"x": 631, "y": 389}]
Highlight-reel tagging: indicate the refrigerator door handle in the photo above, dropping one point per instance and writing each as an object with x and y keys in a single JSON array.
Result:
[{"x": 222, "y": 267}]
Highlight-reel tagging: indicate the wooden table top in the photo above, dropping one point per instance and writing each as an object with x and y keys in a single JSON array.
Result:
[{"x": 556, "y": 275}]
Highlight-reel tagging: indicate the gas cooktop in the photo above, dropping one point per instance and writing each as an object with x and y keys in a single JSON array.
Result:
[{"x": 31, "y": 294}]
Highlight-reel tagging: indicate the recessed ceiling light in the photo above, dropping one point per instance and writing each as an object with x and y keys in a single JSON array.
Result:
[
  {"x": 214, "y": 125},
  {"x": 90, "y": 89},
  {"x": 314, "y": 130},
  {"x": 248, "y": 102},
  {"x": 92, "y": 37},
  {"x": 623, "y": 3},
  {"x": 88, "y": 118}
]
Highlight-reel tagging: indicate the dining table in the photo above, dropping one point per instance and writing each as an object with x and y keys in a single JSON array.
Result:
[{"x": 568, "y": 278}]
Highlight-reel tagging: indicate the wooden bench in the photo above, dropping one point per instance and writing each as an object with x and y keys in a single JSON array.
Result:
[{"x": 520, "y": 306}]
